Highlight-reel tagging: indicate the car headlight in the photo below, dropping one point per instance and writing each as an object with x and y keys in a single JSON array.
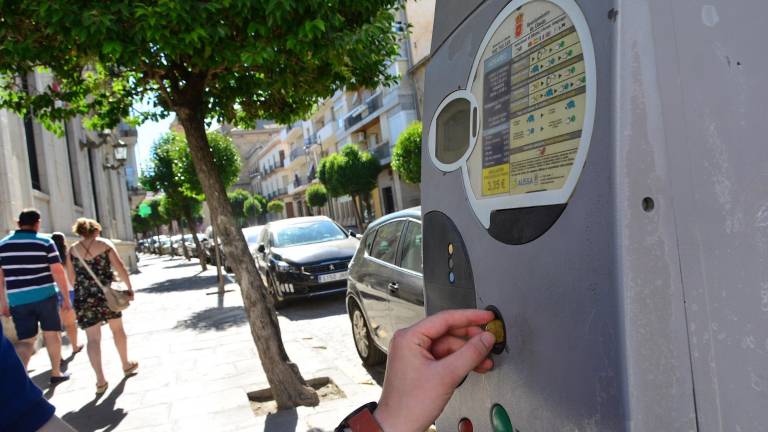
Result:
[{"x": 285, "y": 267}]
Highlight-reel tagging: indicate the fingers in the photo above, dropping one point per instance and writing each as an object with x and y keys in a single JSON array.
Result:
[
  {"x": 470, "y": 356},
  {"x": 439, "y": 324},
  {"x": 466, "y": 332},
  {"x": 485, "y": 366}
]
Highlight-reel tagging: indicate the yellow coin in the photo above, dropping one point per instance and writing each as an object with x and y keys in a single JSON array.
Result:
[{"x": 496, "y": 327}]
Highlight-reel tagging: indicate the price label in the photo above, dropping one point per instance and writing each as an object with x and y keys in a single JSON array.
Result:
[{"x": 496, "y": 180}]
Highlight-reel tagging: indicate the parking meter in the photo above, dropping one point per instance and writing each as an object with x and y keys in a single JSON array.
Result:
[{"x": 596, "y": 173}]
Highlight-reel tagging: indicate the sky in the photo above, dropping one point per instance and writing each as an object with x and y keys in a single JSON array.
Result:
[{"x": 148, "y": 133}]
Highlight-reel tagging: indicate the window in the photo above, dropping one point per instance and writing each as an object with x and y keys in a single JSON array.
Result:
[
  {"x": 72, "y": 158},
  {"x": 29, "y": 134},
  {"x": 369, "y": 241},
  {"x": 385, "y": 245},
  {"x": 411, "y": 258}
]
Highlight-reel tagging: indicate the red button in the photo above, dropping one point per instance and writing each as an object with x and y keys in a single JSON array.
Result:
[{"x": 465, "y": 425}]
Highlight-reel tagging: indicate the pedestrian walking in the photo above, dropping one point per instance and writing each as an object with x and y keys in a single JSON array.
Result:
[
  {"x": 29, "y": 265},
  {"x": 90, "y": 258},
  {"x": 68, "y": 318}
]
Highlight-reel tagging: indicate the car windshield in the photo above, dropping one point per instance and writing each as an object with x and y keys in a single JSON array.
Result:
[
  {"x": 305, "y": 233},
  {"x": 252, "y": 236}
]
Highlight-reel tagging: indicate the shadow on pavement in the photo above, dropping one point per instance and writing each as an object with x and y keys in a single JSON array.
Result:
[
  {"x": 285, "y": 420},
  {"x": 181, "y": 284},
  {"x": 313, "y": 308},
  {"x": 214, "y": 319},
  {"x": 184, "y": 264},
  {"x": 377, "y": 373},
  {"x": 98, "y": 416}
]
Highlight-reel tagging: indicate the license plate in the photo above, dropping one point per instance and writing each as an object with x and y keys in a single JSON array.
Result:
[{"x": 332, "y": 277}]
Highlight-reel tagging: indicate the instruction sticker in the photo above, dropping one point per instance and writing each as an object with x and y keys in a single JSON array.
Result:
[{"x": 533, "y": 102}]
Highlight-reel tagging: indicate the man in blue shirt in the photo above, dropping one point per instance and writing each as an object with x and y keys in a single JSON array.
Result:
[
  {"x": 29, "y": 265},
  {"x": 22, "y": 405}
]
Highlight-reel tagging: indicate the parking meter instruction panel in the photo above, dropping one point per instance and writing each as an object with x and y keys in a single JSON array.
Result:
[{"x": 532, "y": 92}]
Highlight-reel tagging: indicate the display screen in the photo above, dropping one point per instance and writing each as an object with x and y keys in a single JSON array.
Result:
[{"x": 531, "y": 88}]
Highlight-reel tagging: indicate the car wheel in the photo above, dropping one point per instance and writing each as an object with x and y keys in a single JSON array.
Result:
[
  {"x": 277, "y": 299},
  {"x": 369, "y": 353}
]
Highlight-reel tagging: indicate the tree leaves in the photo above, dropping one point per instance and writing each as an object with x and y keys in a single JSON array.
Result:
[{"x": 406, "y": 157}]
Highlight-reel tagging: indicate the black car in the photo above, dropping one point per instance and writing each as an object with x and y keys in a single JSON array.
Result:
[
  {"x": 385, "y": 289},
  {"x": 304, "y": 256}
]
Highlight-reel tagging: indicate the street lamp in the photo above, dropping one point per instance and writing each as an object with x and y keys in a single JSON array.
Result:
[{"x": 119, "y": 155}]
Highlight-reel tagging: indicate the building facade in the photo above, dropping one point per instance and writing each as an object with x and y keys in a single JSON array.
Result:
[{"x": 76, "y": 175}]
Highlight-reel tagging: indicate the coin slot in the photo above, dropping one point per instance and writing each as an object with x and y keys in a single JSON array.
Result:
[{"x": 497, "y": 327}]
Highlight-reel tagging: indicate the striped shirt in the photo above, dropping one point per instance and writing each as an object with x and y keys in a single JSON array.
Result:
[{"x": 26, "y": 258}]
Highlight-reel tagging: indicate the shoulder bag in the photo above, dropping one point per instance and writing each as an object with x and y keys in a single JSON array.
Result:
[{"x": 116, "y": 294}]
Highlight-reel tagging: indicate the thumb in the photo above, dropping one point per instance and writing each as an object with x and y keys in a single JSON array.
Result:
[{"x": 468, "y": 357}]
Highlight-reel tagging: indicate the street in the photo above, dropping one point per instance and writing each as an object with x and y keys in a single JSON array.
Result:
[{"x": 198, "y": 361}]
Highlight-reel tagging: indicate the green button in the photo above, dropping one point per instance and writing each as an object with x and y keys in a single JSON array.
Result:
[{"x": 500, "y": 420}]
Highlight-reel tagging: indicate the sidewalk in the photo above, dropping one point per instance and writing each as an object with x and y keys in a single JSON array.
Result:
[{"x": 198, "y": 361}]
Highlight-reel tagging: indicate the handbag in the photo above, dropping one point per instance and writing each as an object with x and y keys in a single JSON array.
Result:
[{"x": 116, "y": 294}]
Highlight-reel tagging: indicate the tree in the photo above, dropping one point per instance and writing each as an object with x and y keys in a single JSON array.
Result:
[
  {"x": 316, "y": 195},
  {"x": 275, "y": 206},
  {"x": 252, "y": 208},
  {"x": 235, "y": 61},
  {"x": 350, "y": 172},
  {"x": 155, "y": 218},
  {"x": 170, "y": 171},
  {"x": 237, "y": 200},
  {"x": 406, "y": 157},
  {"x": 140, "y": 224}
]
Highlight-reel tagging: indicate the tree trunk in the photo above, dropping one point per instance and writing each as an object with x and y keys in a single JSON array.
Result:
[
  {"x": 198, "y": 246},
  {"x": 356, "y": 208},
  {"x": 183, "y": 243},
  {"x": 288, "y": 386}
]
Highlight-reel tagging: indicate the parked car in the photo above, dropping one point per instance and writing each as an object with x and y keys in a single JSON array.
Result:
[
  {"x": 304, "y": 257},
  {"x": 165, "y": 246},
  {"x": 252, "y": 237},
  {"x": 385, "y": 288}
]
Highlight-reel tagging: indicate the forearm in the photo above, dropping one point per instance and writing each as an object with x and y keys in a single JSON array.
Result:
[{"x": 60, "y": 277}]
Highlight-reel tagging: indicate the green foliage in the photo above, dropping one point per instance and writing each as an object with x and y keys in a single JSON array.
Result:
[
  {"x": 225, "y": 57},
  {"x": 140, "y": 224},
  {"x": 164, "y": 175},
  {"x": 316, "y": 195},
  {"x": 156, "y": 218},
  {"x": 252, "y": 208},
  {"x": 275, "y": 206},
  {"x": 237, "y": 200},
  {"x": 225, "y": 157},
  {"x": 406, "y": 157},
  {"x": 349, "y": 172}
]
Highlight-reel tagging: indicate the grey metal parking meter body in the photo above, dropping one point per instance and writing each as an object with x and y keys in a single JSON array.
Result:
[{"x": 597, "y": 171}]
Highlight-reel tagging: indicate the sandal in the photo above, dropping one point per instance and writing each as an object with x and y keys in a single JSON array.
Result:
[
  {"x": 132, "y": 369},
  {"x": 101, "y": 389}
]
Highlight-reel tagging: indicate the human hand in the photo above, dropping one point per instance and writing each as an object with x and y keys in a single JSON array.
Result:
[
  {"x": 130, "y": 293},
  {"x": 5, "y": 310},
  {"x": 426, "y": 363},
  {"x": 66, "y": 304}
]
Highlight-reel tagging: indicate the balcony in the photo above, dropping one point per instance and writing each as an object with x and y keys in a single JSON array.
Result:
[
  {"x": 326, "y": 132},
  {"x": 297, "y": 153},
  {"x": 382, "y": 152},
  {"x": 359, "y": 113},
  {"x": 311, "y": 140}
]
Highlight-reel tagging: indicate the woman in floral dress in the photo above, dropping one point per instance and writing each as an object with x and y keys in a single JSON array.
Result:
[{"x": 90, "y": 302}]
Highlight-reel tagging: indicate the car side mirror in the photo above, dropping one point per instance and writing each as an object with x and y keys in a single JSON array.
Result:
[
  {"x": 352, "y": 234},
  {"x": 261, "y": 249}
]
